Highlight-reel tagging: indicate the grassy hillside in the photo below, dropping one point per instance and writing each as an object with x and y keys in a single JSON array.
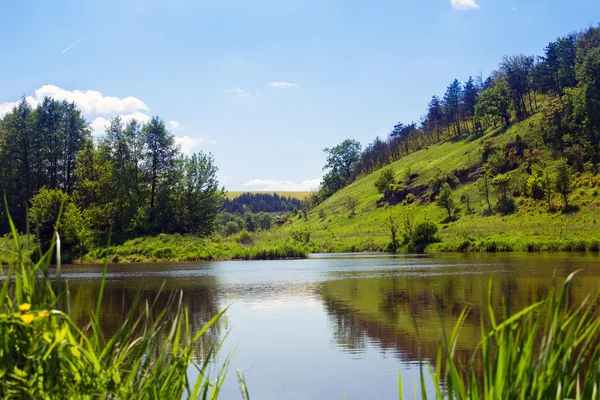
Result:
[{"x": 530, "y": 227}]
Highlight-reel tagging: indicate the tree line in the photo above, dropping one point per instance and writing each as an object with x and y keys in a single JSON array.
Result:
[
  {"x": 133, "y": 179},
  {"x": 563, "y": 85},
  {"x": 261, "y": 202}
]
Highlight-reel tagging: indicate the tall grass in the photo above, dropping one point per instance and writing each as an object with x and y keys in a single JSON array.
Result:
[
  {"x": 45, "y": 354},
  {"x": 549, "y": 350}
]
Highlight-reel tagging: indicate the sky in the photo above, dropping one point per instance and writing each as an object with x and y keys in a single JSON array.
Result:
[{"x": 266, "y": 85}]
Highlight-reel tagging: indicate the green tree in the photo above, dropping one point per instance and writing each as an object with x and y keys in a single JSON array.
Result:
[
  {"x": 563, "y": 180},
  {"x": 445, "y": 199},
  {"x": 46, "y": 208},
  {"x": 494, "y": 102},
  {"x": 159, "y": 159},
  {"x": 351, "y": 204},
  {"x": 392, "y": 226},
  {"x": 339, "y": 163},
  {"x": 483, "y": 186},
  {"x": 385, "y": 180},
  {"x": 94, "y": 191},
  {"x": 516, "y": 70},
  {"x": 452, "y": 101}
]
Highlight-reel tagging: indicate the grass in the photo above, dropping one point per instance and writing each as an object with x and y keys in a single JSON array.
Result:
[
  {"x": 45, "y": 354},
  {"x": 547, "y": 350},
  {"x": 177, "y": 247}
]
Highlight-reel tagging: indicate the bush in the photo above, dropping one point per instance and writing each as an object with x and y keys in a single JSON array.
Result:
[
  {"x": 301, "y": 235},
  {"x": 385, "y": 180},
  {"x": 46, "y": 206}
]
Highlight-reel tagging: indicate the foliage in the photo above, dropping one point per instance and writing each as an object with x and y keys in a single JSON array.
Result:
[
  {"x": 38, "y": 148},
  {"x": 302, "y": 235},
  {"x": 351, "y": 204},
  {"x": 385, "y": 180},
  {"x": 340, "y": 161},
  {"x": 261, "y": 202},
  {"x": 563, "y": 180},
  {"x": 511, "y": 362},
  {"x": 445, "y": 199},
  {"x": 392, "y": 226},
  {"x": 133, "y": 180},
  {"x": 53, "y": 209}
]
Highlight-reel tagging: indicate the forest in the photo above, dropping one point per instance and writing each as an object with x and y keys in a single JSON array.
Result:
[{"x": 133, "y": 180}]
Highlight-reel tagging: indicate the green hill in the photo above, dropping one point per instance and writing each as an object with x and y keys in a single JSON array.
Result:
[{"x": 530, "y": 227}]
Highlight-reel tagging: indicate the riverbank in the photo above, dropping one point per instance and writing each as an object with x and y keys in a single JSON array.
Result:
[{"x": 263, "y": 246}]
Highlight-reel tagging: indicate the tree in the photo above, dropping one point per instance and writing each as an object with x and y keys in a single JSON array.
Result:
[
  {"x": 494, "y": 102},
  {"x": 563, "y": 180},
  {"x": 470, "y": 93},
  {"x": 392, "y": 226},
  {"x": 452, "y": 102},
  {"x": 385, "y": 180},
  {"x": 445, "y": 199},
  {"x": 435, "y": 116},
  {"x": 516, "y": 70},
  {"x": 505, "y": 204},
  {"x": 557, "y": 69},
  {"x": 52, "y": 209},
  {"x": 483, "y": 186},
  {"x": 351, "y": 204},
  {"x": 339, "y": 164},
  {"x": 195, "y": 197},
  {"x": 159, "y": 159},
  {"x": 94, "y": 191}
]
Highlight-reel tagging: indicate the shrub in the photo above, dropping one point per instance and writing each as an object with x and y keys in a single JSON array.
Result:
[
  {"x": 301, "y": 235},
  {"x": 385, "y": 180},
  {"x": 231, "y": 228},
  {"x": 46, "y": 206},
  {"x": 445, "y": 199}
]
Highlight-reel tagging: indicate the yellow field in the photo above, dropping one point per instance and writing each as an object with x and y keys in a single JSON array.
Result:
[{"x": 295, "y": 195}]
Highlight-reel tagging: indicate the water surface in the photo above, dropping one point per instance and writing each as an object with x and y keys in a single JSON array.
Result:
[{"x": 334, "y": 325}]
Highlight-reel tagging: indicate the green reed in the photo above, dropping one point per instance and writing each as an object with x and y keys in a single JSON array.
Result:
[
  {"x": 45, "y": 354},
  {"x": 549, "y": 350}
]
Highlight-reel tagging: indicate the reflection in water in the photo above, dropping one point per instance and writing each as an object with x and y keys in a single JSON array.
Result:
[
  {"x": 327, "y": 326},
  {"x": 122, "y": 290}
]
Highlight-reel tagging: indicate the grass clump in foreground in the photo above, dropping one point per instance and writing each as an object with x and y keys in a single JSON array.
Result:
[
  {"x": 549, "y": 350},
  {"x": 45, "y": 354}
]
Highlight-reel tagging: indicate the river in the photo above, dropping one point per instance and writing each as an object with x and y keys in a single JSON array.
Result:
[{"x": 333, "y": 325}]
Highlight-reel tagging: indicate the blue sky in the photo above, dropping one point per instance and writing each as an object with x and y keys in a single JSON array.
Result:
[{"x": 265, "y": 85}]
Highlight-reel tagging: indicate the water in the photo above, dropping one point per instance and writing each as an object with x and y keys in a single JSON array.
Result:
[{"x": 333, "y": 325}]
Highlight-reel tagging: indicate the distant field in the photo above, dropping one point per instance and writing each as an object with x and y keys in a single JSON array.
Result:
[{"x": 294, "y": 195}]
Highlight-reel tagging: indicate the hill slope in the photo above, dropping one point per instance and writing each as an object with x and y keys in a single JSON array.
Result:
[{"x": 530, "y": 227}]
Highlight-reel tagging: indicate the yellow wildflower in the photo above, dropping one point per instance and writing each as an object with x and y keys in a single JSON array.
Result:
[
  {"x": 27, "y": 318},
  {"x": 43, "y": 314},
  {"x": 25, "y": 307}
]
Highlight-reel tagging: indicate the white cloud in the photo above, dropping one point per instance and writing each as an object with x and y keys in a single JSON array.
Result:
[
  {"x": 175, "y": 126},
  {"x": 212, "y": 141},
  {"x": 99, "y": 126},
  {"x": 239, "y": 92},
  {"x": 188, "y": 144},
  {"x": 274, "y": 185},
  {"x": 92, "y": 101},
  {"x": 464, "y": 4},
  {"x": 283, "y": 85}
]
